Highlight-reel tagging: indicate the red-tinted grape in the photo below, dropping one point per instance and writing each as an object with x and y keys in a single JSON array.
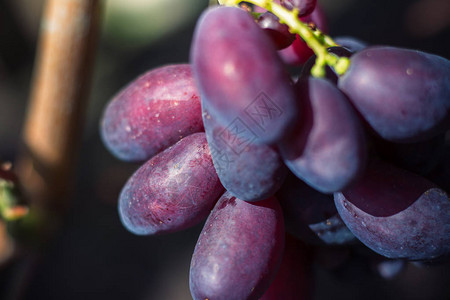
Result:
[
  {"x": 174, "y": 190},
  {"x": 152, "y": 113},
  {"x": 278, "y": 33},
  {"x": 304, "y": 7},
  {"x": 299, "y": 52},
  {"x": 239, "y": 250}
]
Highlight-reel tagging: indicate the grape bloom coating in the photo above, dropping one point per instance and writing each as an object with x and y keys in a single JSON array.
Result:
[
  {"x": 239, "y": 250},
  {"x": 240, "y": 74},
  {"x": 173, "y": 191},
  {"x": 152, "y": 113}
]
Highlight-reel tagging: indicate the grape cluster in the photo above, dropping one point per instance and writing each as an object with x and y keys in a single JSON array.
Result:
[{"x": 352, "y": 150}]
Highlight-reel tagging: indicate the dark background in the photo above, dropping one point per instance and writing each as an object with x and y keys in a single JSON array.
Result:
[{"x": 93, "y": 256}]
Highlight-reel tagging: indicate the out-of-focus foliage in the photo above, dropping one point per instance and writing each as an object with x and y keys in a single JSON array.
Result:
[{"x": 134, "y": 23}]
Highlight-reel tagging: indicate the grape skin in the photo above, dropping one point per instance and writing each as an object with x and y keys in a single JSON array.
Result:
[
  {"x": 250, "y": 172},
  {"x": 350, "y": 43},
  {"x": 299, "y": 52},
  {"x": 172, "y": 191},
  {"x": 152, "y": 113},
  {"x": 304, "y": 7},
  {"x": 397, "y": 214},
  {"x": 327, "y": 149},
  {"x": 239, "y": 250},
  {"x": 238, "y": 70},
  {"x": 310, "y": 215},
  {"x": 403, "y": 94},
  {"x": 278, "y": 33}
]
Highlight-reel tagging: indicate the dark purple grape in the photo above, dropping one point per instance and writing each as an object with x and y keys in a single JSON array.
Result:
[
  {"x": 327, "y": 149},
  {"x": 278, "y": 33},
  {"x": 304, "y": 7},
  {"x": 248, "y": 171},
  {"x": 240, "y": 74},
  {"x": 311, "y": 215},
  {"x": 329, "y": 72},
  {"x": 420, "y": 157},
  {"x": 403, "y": 94},
  {"x": 397, "y": 214},
  {"x": 174, "y": 190},
  {"x": 239, "y": 250},
  {"x": 152, "y": 113},
  {"x": 294, "y": 279},
  {"x": 350, "y": 43}
]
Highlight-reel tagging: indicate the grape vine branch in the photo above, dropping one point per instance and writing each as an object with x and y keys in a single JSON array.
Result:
[{"x": 316, "y": 40}]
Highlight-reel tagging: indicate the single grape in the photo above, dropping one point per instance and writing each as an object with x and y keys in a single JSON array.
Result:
[
  {"x": 350, "y": 43},
  {"x": 420, "y": 157},
  {"x": 152, "y": 113},
  {"x": 294, "y": 279},
  {"x": 403, "y": 94},
  {"x": 311, "y": 215},
  {"x": 327, "y": 149},
  {"x": 278, "y": 33},
  {"x": 174, "y": 190},
  {"x": 239, "y": 250},
  {"x": 304, "y": 7},
  {"x": 397, "y": 214},
  {"x": 240, "y": 74},
  {"x": 299, "y": 52},
  {"x": 248, "y": 171}
]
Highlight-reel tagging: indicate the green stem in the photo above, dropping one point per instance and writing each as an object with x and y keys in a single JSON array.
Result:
[{"x": 315, "y": 39}]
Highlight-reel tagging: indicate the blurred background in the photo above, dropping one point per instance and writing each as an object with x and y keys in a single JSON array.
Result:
[{"x": 93, "y": 256}]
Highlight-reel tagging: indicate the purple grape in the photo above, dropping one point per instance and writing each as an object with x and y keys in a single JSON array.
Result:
[
  {"x": 249, "y": 172},
  {"x": 397, "y": 214},
  {"x": 304, "y": 7},
  {"x": 403, "y": 94},
  {"x": 239, "y": 250},
  {"x": 327, "y": 150},
  {"x": 420, "y": 157},
  {"x": 294, "y": 278},
  {"x": 350, "y": 43},
  {"x": 152, "y": 113},
  {"x": 174, "y": 190},
  {"x": 240, "y": 74},
  {"x": 311, "y": 215},
  {"x": 278, "y": 33}
]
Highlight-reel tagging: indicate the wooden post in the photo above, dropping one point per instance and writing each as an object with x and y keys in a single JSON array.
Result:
[{"x": 52, "y": 131}]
